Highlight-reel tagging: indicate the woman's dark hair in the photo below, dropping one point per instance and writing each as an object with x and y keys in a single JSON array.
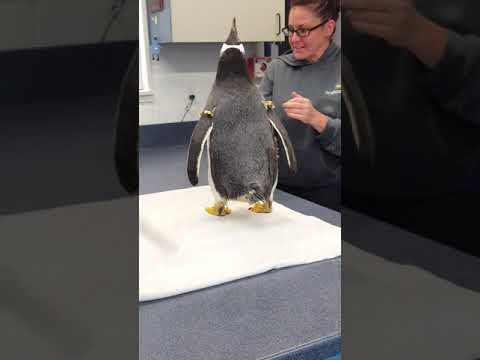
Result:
[{"x": 325, "y": 9}]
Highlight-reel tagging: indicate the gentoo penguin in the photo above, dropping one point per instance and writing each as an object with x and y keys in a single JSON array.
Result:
[{"x": 242, "y": 133}]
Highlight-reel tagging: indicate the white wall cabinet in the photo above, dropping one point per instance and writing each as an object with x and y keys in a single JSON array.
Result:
[
  {"x": 26, "y": 24},
  {"x": 210, "y": 20}
]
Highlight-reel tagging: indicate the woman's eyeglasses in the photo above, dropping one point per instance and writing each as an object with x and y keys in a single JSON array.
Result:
[{"x": 301, "y": 32}]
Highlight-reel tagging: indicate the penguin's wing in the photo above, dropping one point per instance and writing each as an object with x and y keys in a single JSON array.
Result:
[
  {"x": 284, "y": 138},
  {"x": 200, "y": 134}
]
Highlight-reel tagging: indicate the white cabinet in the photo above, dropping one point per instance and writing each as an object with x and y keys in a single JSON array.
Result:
[
  {"x": 26, "y": 24},
  {"x": 210, "y": 21}
]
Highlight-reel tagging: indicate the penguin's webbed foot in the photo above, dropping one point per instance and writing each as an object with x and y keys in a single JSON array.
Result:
[
  {"x": 218, "y": 209},
  {"x": 261, "y": 207}
]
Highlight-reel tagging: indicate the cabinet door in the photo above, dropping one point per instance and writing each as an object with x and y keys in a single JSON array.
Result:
[{"x": 210, "y": 21}]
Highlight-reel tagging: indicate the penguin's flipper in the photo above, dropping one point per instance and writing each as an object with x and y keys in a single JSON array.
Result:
[
  {"x": 200, "y": 134},
  {"x": 283, "y": 135}
]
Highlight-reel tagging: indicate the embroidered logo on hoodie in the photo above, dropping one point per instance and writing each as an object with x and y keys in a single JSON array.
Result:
[{"x": 338, "y": 90}]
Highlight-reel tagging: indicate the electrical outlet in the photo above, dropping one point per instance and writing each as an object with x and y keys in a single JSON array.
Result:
[{"x": 190, "y": 90}]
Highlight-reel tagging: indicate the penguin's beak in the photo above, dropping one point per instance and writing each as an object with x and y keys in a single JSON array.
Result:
[{"x": 233, "y": 36}]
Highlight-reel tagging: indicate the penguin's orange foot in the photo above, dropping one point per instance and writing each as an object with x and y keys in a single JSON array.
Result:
[
  {"x": 261, "y": 207},
  {"x": 218, "y": 209}
]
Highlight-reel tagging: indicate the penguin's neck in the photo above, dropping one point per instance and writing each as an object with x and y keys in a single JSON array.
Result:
[{"x": 232, "y": 69}]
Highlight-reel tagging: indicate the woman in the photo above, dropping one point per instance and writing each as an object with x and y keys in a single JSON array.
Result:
[{"x": 304, "y": 84}]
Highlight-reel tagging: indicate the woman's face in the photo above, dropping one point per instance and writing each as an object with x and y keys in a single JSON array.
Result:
[{"x": 311, "y": 47}]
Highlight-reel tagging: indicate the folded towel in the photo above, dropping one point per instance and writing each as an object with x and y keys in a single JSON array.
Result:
[{"x": 183, "y": 248}]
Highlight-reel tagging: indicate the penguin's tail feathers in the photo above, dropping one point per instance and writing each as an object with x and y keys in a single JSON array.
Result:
[{"x": 256, "y": 193}]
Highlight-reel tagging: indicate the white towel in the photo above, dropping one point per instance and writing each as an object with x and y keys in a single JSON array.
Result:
[{"x": 183, "y": 248}]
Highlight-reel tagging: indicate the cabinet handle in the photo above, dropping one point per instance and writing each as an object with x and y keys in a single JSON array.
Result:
[{"x": 279, "y": 18}]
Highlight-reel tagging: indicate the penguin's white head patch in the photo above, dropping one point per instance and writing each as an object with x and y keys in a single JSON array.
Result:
[{"x": 226, "y": 46}]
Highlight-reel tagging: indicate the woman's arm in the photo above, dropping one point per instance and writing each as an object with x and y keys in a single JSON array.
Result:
[
  {"x": 455, "y": 79},
  {"x": 331, "y": 136},
  {"x": 452, "y": 60},
  {"x": 327, "y": 130}
]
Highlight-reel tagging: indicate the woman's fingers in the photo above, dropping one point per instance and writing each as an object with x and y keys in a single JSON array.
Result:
[
  {"x": 298, "y": 107},
  {"x": 296, "y": 114},
  {"x": 395, "y": 21},
  {"x": 370, "y": 17},
  {"x": 293, "y": 105},
  {"x": 297, "y": 101},
  {"x": 382, "y": 31}
]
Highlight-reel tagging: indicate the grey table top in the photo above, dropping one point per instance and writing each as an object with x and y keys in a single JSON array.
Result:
[
  {"x": 263, "y": 316},
  {"x": 407, "y": 297}
]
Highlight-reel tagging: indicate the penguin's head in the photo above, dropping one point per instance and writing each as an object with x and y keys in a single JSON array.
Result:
[
  {"x": 232, "y": 41},
  {"x": 232, "y": 55}
]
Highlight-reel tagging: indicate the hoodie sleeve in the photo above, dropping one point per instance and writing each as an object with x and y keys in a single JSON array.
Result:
[
  {"x": 331, "y": 137},
  {"x": 454, "y": 81},
  {"x": 266, "y": 86}
]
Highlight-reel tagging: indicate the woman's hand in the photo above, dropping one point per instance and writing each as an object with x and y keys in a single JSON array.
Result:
[
  {"x": 399, "y": 23},
  {"x": 393, "y": 20},
  {"x": 301, "y": 108}
]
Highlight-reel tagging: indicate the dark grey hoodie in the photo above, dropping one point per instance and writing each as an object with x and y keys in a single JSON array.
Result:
[
  {"x": 455, "y": 80},
  {"x": 318, "y": 154}
]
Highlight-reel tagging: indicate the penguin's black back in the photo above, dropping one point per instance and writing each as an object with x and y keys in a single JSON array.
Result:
[{"x": 242, "y": 147}]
